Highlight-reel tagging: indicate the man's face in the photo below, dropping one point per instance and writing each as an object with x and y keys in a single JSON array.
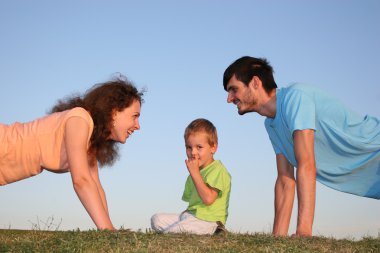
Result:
[{"x": 241, "y": 95}]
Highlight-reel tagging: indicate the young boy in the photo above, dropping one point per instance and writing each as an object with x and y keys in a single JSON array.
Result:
[{"x": 207, "y": 187}]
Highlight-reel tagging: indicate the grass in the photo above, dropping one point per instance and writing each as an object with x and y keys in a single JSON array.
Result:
[{"x": 128, "y": 241}]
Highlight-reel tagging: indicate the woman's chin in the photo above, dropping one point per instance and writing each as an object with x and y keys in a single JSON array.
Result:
[{"x": 122, "y": 141}]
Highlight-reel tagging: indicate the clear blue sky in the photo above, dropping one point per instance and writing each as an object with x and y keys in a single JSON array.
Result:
[{"x": 178, "y": 51}]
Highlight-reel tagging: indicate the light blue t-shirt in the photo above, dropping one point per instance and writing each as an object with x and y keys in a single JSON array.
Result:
[{"x": 346, "y": 146}]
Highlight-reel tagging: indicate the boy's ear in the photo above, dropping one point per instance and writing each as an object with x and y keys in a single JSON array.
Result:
[{"x": 214, "y": 148}]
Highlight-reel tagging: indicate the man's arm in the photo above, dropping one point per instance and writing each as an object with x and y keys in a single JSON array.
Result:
[
  {"x": 284, "y": 195},
  {"x": 306, "y": 180}
]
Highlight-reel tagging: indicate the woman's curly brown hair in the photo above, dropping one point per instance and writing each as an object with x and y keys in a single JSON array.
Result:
[{"x": 101, "y": 101}]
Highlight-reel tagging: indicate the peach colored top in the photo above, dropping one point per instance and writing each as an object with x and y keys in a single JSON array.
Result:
[{"x": 28, "y": 148}]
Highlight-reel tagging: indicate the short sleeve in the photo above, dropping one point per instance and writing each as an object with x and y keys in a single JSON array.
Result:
[
  {"x": 218, "y": 179},
  {"x": 186, "y": 192},
  {"x": 272, "y": 136},
  {"x": 82, "y": 113},
  {"x": 299, "y": 110}
]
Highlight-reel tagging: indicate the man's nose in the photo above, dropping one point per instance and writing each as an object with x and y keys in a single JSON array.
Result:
[{"x": 229, "y": 98}]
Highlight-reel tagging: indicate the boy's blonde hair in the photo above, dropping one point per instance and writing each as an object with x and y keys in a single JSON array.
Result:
[{"x": 202, "y": 125}]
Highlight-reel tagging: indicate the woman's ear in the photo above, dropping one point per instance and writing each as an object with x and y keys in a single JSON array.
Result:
[{"x": 113, "y": 116}]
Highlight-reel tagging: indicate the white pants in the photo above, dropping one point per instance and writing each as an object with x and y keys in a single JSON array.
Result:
[{"x": 182, "y": 223}]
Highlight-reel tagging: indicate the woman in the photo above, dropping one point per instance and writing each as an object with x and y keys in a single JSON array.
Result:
[{"x": 80, "y": 132}]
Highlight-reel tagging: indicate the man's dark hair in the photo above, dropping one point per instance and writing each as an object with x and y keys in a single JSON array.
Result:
[{"x": 246, "y": 67}]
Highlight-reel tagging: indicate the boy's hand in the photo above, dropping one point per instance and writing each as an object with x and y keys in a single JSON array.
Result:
[
  {"x": 192, "y": 165},
  {"x": 205, "y": 192}
]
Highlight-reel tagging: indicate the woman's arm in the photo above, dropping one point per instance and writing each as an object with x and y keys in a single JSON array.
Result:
[
  {"x": 76, "y": 136},
  {"x": 94, "y": 170},
  {"x": 205, "y": 192}
]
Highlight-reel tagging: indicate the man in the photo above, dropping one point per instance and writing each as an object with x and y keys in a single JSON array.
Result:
[{"x": 312, "y": 132}]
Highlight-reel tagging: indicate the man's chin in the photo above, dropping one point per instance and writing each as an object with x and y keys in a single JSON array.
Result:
[{"x": 241, "y": 112}]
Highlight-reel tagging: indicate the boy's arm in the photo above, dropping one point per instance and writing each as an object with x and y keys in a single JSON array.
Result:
[{"x": 205, "y": 192}]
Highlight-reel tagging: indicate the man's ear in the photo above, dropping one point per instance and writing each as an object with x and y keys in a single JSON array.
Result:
[{"x": 256, "y": 82}]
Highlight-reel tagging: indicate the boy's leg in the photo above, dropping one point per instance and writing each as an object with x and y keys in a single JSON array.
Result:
[
  {"x": 190, "y": 224},
  {"x": 161, "y": 221}
]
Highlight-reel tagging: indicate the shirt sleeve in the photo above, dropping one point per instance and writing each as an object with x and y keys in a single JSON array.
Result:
[
  {"x": 273, "y": 137},
  {"x": 82, "y": 113},
  {"x": 218, "y": 179},
  {"x": 186, "y": 192},
  {"x": 299, "y": 111}
]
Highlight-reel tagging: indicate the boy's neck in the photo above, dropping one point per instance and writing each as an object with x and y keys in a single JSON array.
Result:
[{"x": 206, "y": 165}]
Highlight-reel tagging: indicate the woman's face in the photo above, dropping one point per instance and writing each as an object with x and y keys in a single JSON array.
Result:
[{"x": 125, "y": 122}]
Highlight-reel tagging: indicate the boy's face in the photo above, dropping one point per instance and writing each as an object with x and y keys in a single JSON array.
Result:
[{"x": 198, "y": 147}]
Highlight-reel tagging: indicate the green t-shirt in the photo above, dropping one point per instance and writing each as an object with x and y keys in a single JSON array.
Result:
[{"x": 216, "y": 176}]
